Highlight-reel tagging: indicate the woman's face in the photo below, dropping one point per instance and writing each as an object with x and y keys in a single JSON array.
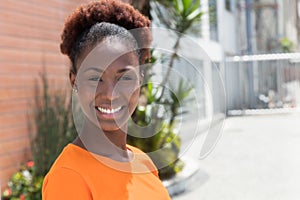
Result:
[{"x": 108, "y": 83}]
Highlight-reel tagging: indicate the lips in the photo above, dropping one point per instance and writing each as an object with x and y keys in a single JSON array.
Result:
[{"x": 108, "y": 113}]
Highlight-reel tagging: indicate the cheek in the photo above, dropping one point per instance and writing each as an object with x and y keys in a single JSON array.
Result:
[
  {"x": 86, "y": 96},
  {"x": 133, "y": 101},
  {"x": 132, "y": 97},
  {"x": 129, "y": 90},
  {"x": 135, "y": 96}
]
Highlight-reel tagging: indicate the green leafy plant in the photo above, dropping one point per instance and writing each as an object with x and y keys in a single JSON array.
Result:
[
  {"x": 177, "y": 98},
  {"x": 53, "y": 127},
  {"x": 286, "y": 45},
  {"x": 24, "y": 184},
  {"x": 177, "y": 15},
  {"x": 159, "y": 131}
]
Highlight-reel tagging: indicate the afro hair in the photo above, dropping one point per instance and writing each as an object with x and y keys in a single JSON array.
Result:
[{"x": 110, "y": 11}]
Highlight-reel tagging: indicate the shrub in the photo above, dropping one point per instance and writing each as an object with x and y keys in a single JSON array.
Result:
[
  {"x": 24, "y": 184},
  {"x": 54, "y": 127},
  {"x": 158, "y": 130}
]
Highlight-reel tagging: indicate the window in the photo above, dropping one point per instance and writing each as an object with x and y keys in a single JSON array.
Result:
[
  {"x": 213, "y": 20},
  {"x": 228, "y": 5}
]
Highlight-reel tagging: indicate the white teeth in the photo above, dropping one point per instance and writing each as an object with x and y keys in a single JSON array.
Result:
[{"x": 109, "y": 111}]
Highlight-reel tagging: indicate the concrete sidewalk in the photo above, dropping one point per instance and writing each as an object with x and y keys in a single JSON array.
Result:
[{"x": 257, "y": 158}]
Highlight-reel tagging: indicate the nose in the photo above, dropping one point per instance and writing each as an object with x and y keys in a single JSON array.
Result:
[{"x": 107, "y": 90}]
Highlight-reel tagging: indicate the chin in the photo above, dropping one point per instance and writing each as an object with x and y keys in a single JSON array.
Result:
[{"x": 112, "y": 126}]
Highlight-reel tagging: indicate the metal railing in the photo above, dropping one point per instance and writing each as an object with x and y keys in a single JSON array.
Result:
[{"x": 263, "y": 81}]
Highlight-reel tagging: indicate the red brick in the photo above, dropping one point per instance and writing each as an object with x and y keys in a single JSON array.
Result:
[
  {"x": 9, "y": 41},
  {"x": 20, "y": 143},
  {"x": 13, "y": 131},
  {"x": 12, "y": 159}
]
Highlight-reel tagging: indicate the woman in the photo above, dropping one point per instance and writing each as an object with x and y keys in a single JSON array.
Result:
[{"x": 106, "y": 77}]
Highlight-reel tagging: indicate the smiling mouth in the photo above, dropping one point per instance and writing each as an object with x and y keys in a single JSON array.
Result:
[{"x": 108, "y": 110}]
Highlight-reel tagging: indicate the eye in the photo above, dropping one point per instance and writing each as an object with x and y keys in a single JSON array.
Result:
[
  {"x": 95, "y": 78},
  {"x": 127, "y": 78}
]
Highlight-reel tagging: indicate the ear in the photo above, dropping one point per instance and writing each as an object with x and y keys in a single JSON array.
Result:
[
  {"x": 141, "y": 77},
  {"x": 72, "y": 77}
]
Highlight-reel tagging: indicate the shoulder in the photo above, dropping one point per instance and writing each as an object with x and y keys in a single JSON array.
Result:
[
  {"x": 65, "y": 183},
  {"x": 143, "y": 159},
  {"x": 65, "y": 178},
  {"x": 72, "y": 157}
]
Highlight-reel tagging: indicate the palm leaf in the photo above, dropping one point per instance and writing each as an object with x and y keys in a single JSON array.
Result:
[
  {"x": 195, "y": 15},
  {"x": 187, "y": 5},
  {"x": 179, "y": 7}
]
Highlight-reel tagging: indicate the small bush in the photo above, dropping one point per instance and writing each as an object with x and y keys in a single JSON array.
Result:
[
  {"x": 24, "y": 184},
  {"x": 54, "y": 127}
]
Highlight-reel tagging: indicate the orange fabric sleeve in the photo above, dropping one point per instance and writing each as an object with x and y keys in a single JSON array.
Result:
[{"x": 65, "y": 184}]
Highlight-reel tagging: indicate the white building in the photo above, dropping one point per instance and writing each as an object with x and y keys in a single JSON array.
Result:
[{"x": 272, "y": 26}]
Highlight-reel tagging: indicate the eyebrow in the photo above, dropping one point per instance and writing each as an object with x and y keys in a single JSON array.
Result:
[
  {"x": 95, "y": 69},
  {"x": 128, "y": 68}
]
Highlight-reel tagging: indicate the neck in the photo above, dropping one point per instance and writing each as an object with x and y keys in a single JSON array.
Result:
[
  {"x": 110, "y": 144},
  {"x": 117, "y": 138}
]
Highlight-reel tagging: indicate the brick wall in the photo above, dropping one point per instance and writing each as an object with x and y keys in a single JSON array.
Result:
[{"x": 29, "y": 39}]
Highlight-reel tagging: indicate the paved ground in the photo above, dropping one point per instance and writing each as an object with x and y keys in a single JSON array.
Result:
[{"x": 256, "y": 158}]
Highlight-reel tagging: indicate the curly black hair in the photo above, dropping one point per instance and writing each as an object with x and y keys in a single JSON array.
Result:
[{"x": 92, "y": 22}]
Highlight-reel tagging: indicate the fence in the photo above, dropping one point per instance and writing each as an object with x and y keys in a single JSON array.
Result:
[{"x": 263, "y": 81}]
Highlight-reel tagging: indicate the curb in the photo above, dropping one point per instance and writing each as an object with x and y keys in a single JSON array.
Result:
[
  {"x": 270, "y": 111},
  {"x": 180, "y": 182}
]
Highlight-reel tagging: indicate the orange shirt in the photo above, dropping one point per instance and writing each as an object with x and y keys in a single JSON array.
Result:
[{"x": 79, "y": 174}]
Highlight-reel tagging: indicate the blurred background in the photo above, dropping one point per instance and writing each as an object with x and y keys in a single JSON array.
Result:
[{"x": 250, "y": 90}]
